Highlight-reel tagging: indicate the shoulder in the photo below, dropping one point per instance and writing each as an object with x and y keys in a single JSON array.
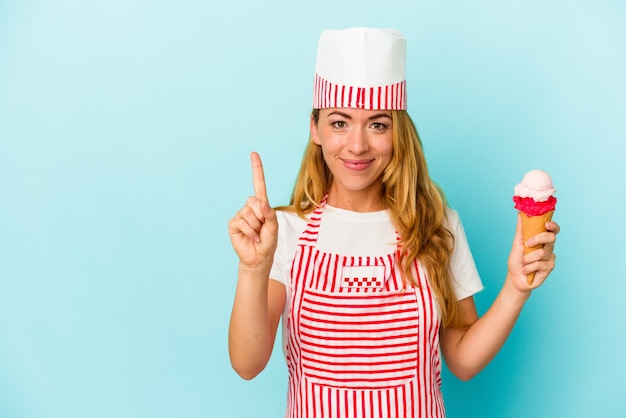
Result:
[
  {"x": 290, "y": 220},
  {"x": 290, "y": 226},
  {"x": 452, "y": 221},
  {"x": 465, "y": 278}
]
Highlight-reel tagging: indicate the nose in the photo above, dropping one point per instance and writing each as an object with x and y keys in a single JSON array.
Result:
[{"x": 357, "y": 141}]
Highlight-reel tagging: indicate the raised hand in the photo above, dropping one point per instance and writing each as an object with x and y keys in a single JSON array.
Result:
[{"x": 254, "y": 229}]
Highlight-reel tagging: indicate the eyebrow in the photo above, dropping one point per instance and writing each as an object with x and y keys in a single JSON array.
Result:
[{"x": 374, "y": 116}]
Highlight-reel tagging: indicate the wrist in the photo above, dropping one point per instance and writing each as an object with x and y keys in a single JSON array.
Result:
[
  {"x": 255, "y": 271},
  {"x": 513, "y": 293}
]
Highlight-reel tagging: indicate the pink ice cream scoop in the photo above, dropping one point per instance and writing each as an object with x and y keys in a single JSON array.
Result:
[{"x": 534, "y": 195}]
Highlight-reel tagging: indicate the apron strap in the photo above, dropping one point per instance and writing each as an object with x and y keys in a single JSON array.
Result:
[{"x": 309, "y": 235}]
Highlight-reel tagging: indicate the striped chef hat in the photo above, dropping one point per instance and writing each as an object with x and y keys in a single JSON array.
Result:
[{"x": 361, "y": 68}]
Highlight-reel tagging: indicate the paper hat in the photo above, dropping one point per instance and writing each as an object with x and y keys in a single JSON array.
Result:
[{"x": 361, "y": 68}]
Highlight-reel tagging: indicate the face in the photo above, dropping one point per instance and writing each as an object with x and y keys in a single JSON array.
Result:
[{"x": 357, "y": 146}]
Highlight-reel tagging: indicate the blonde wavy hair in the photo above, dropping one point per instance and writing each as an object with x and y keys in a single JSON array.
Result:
[{"x": 416, "y": 204}]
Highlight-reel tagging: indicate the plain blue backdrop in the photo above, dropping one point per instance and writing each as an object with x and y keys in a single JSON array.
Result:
[{"x": 125, "y": 129}]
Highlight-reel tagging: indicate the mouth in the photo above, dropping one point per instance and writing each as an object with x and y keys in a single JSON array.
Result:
[{"x": 357, "y": 164}]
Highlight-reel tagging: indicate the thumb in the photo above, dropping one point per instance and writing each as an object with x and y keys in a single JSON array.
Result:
[
  {"x": 518, "y": 240},
  {"x": 517, "y": 248},
  {"x": 270, "y": 225}
]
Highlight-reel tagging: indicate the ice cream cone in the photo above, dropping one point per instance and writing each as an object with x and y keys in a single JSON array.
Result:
[{"x": 531, "y": 226}]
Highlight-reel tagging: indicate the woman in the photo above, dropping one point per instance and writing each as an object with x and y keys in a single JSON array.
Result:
[{"x": 368, "y": 267}]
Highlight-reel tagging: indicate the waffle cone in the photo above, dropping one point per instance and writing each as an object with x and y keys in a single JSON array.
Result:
[{"x": 531, "y": 226}]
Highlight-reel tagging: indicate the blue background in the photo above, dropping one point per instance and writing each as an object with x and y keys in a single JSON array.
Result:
[{"x": 125, "y": 129}]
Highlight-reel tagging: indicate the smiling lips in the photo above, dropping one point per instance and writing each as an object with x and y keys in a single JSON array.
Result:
[{"x": 357, "y": 164}]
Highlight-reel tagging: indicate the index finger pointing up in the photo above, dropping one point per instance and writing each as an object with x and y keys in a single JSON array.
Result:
[{"x": 258, "y": 177}]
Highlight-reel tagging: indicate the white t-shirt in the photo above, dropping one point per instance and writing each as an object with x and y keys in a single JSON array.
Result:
[{"x": 350, "y": 233}]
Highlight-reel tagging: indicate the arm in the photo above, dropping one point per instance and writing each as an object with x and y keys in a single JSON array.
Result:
[
  {"x": 258, "y": 301},
  {"x": 467, "y": 351},
  {"x": 254, "y": 321}
]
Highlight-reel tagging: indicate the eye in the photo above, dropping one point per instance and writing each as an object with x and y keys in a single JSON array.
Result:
[
  {"x": 379, "y": 126},
  {"x": 339, "y": 124}
]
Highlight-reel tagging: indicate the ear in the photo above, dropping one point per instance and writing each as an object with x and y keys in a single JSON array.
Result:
[{"x": 314, "y": 134}]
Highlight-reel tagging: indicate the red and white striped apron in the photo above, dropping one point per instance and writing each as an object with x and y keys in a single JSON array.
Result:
[{"x": 361, "y": 343}]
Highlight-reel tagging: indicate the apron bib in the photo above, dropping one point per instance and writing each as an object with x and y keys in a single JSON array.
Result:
[{"x": 361, "y": 343}]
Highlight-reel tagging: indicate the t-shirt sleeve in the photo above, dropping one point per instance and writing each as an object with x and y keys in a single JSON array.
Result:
[
  {"x": 290, "y": 226},
  {"x": 465, "y": 278}
]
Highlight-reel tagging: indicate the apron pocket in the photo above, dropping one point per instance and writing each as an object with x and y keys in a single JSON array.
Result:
[{"x": 359, "y": 340}]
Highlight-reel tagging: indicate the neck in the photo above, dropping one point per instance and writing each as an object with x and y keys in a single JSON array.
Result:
[{"x": 356, "y": 201}]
